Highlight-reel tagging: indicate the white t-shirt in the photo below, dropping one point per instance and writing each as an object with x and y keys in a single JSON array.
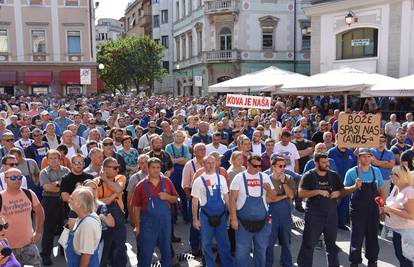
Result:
[
  {"x": 274, "y": 133},
  {"x": 221, "y": 149},
  {"x": 257, "y": 149},
  {"x": 199, "y": 190},
  {"x": 289, "y": 152},
  {"x": 71, "y": 152},
  {"x": 23, "y": 144},
  {"x": 3, "y": 185},
  {"x": 87, "y": 235},
  {"x": 253, "y": 185}
]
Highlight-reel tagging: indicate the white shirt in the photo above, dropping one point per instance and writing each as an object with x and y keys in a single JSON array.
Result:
[
  {"x": 199, "y": 190},
  {"x": 289, "y": 152},
  {"x": 274, "y": 133},
  {"x": 253, "y": 185},
  {"x": 257, "y": 149},
  {"x": 144, "y": 141},
  {"x": 23, "y": 144},
  {"x": 211, "y": 148},
  {"x": 71, "y": 152},
  {"x": 87, "y": 235},
  {"x": 3, "y": 185}
]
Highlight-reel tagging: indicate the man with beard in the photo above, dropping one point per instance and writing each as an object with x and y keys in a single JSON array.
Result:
[
  {"x": 399, "y": 147},
  {"x": 322, "y": 187},
  {"x": 158, "y": 152}
]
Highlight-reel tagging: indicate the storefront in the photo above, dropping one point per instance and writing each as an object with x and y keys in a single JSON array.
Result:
[
  {"x": 8, "y": 80},
  {"x": 70, "y": 81},
  {"x": 38, "y": 82}
]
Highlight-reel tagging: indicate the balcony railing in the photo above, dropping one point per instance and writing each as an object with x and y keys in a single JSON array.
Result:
[
  {"x": 224, "y": 55},
  {"x": 219, "y": 6}
]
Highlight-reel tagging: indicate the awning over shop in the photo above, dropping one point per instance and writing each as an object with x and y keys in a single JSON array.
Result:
[
  {"x": 8, "y": 78},
  {"x": 69, "y": 77},
  {"x": 38, "y": 77}
]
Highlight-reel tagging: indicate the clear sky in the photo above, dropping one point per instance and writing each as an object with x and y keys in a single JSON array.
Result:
[{"x": 111, "y": 8}]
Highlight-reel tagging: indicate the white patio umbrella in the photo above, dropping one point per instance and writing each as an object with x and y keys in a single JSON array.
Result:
[
  {"x": 342, "y": 81},
  {"x": 263, "y": 80},
  {"x": 403, "y": 87}
]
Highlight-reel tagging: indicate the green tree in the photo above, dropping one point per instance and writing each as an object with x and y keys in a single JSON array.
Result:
[{"x": 132, "y": 61}]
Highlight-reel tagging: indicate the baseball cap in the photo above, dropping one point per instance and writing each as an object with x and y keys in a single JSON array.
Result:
[{"x": 364, "y": 151}]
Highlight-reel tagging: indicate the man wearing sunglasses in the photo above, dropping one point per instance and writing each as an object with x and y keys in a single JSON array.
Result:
[
  {"x": 8, "y": 162},
  {"x": 38, "y": 149},
  {"x": 109, "y": 151},
  {"x": 7, "y": 143},
  {"x": 50, "y": 180},
  {"x": 385, "y": 161},
  {"x": 280, "y": 208},
  {"x": 22, "y": 234},
  {"x": 111, "y": 185},
  {"x": 250, "y": 192}
]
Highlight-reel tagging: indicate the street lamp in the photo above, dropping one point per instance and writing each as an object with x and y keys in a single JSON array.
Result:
[
  {"x": 101, "y": 66},
  {"x": 349, "y": 19}
]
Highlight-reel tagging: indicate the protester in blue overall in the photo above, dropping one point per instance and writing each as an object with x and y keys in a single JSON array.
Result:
[
  {"x": 280, "y": 209},
  {"x": 152, "y": 202},
  {"x": 364, "y": 211},
  {"x": 322, "y": 187},
  {"x": 189, "y": 170},
  {"x": 211, "y": 192},
  {"x": 344, "y": 159},
  {"x": 83, "y": 240},
  {"x": 110, "y": 190},
  {"x": 249, "y": 194},
  {"x": 180, "y": 154}
]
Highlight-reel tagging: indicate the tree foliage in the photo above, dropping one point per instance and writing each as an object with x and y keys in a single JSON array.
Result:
[{"x": 131, "y": 62}]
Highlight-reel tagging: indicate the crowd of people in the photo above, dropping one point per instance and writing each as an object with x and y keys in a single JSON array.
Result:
[{"x": 83, "y": 168}]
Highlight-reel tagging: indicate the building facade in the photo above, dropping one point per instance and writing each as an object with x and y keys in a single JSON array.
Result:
[
  {"x": 162, "y": 21},
  {"x": 377, "y": 37},
  {"x": 216, "y": 40},
  {"x": 133, "y": 18},
  {"x": 44, "y": 44},
  {"x": 108, "y": 29}
]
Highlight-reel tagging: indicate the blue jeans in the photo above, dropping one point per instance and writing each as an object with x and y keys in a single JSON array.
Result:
[
  {"x": 244, "y": 241},
  {"x": 220, "y": 234},
  {"x": 396, "y": 240}
]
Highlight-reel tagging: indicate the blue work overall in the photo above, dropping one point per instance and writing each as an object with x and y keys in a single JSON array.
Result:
[
  {"x": 365, "y": 221},
  {"x": 155, "y": 229},
  {"x": 71, "y": 256},
  {"x": 281, "y": 212},
  {"x": 215, "y": 207},
  {"x": 195, "y": 238},
  {"x": 176, "y": 178},
  {"x": 114, "y": 249},
  {"x": 321, "y": 216},
  {"x": 253, "y": 210}
]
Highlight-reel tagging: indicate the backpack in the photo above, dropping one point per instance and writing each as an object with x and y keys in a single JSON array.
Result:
[{"x": 26, "y": 192}]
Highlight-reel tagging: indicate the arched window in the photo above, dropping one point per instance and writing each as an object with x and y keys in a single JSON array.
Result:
[
  {"x": 357, "y": 43},
  {"x": 225, "y": 39}
]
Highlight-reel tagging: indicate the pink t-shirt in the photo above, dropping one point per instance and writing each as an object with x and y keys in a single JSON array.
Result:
[
  {"x": 397, "y": 199},
  {"x": 17, "y": 211}
]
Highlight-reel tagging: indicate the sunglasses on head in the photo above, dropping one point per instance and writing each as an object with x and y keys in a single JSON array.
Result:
[
  {"x": 113, "y": 167},
  {"x": 108, "y": 144},
  {"x": 4, "y": 226},
  {"x": 15, "y": 177}
]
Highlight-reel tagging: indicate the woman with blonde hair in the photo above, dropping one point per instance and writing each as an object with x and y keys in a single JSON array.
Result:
[
  {"x": 399, "y": 209},
  {"x": 236, "y": 167}
]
